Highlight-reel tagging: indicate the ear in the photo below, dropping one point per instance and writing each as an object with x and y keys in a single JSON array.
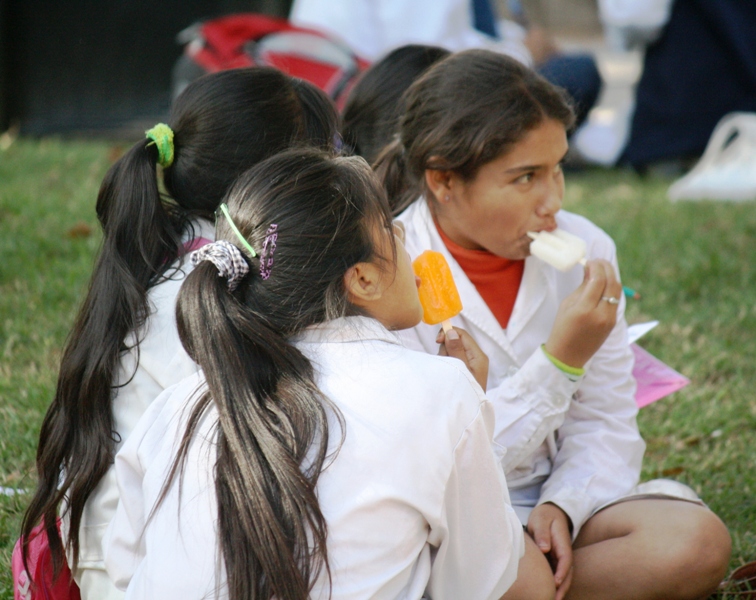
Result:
[
  {"x": 439, "y": 184},
  {"x": 363, "y": 284}
]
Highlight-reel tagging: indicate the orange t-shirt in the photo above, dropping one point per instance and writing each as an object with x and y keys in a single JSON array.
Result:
[{"x": 496, "y": 279}]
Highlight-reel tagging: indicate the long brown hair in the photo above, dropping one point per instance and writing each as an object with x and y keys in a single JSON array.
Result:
[
  {"x": 223, "y": 124},
  {"x": 465, "y": 111}
]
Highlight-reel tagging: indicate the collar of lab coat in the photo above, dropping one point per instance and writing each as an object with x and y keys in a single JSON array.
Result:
[
  {"x": 346, "y": 329},
  {"x": 538, "y": 281}
]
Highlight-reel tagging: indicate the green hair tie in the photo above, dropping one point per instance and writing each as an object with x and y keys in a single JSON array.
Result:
[
  {"x": 242, "y": 239},
  {"x": 162, "y": 136}
]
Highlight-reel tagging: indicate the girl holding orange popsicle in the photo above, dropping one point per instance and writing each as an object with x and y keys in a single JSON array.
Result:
[{"x": 476, "y": 168}]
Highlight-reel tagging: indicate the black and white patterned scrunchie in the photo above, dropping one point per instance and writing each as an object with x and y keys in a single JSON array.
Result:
[{"x": 227, "y": 258}]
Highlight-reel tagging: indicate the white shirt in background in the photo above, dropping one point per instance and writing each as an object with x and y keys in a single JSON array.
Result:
[{"x": 372, "y": 28}]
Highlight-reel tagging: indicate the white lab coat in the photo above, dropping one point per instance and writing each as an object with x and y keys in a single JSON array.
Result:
[
  {"x": 372, "y": 28},
  {"x": 159, "y": 362},
  {"x": 415, "y": 501},
  {"x": 575, "y": 444}
]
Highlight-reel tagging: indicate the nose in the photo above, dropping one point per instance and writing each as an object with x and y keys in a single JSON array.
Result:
[{"x": 552, "y": 198}]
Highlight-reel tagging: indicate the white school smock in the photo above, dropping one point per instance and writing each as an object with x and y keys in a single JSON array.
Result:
[
  {"x": 575, "y": 444},
  {"x": 372, "y": 28},
  {"x": 415, "y": 501},
  {"x": 144, "y": 372}
]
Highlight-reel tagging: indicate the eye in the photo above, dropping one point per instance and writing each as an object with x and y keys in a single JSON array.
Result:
[
  {"x": 559, "y": 168},
  {"x": 525, "y": 178}
]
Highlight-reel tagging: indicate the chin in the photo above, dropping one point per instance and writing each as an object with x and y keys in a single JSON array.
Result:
[{"x": 401, "y": 324}]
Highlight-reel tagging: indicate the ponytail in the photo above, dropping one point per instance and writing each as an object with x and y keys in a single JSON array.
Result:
[
  {"x": 270, "y": 413},
  {"x": 76, "y": 438}
]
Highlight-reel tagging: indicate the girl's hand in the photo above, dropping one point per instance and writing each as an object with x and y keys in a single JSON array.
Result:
[
  {"x": 549, "y": 527},
  {"x": 461, "y": 345},
  {"x": 585, "y": 318}
]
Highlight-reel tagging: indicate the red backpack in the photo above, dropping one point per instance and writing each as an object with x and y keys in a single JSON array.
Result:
[
  {"x": 39, "y": 563},
  {"x": 250, "y": 39}
]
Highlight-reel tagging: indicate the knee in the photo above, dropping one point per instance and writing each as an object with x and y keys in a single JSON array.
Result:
[
  {"x": 711, "y": 547},
  {"x": 697, "y": 556}
]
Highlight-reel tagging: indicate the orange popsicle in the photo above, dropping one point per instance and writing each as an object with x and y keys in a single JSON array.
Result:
[{"x": 438, "y": 294}]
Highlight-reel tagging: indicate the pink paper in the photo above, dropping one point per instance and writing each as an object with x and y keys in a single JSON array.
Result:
[{"x": 655, "y": 379}]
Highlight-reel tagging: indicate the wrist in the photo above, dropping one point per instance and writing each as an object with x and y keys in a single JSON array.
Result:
[
  {"x": 558, "y": 510},
  {"x": 574, "y": 373}
]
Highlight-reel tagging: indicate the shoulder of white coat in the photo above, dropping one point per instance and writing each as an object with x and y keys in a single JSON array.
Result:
[
  {"x": 600, "y": 244},
  {"x": 165, "y": 419},
  {"x": 441, "y": 380}
]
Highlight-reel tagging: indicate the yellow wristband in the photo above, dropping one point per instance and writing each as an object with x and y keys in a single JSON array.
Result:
[{"x": 566, "y": 369}]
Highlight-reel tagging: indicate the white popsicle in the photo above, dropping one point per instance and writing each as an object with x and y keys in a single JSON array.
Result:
[{"x": 558, "y": 248}]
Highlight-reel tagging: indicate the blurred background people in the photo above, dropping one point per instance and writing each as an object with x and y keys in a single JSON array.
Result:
[
  {"x": 372, "y": 28},
  {"x": 699, "y": 65}
]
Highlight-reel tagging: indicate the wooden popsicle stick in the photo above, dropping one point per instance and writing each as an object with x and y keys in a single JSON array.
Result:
[{"x": 447, "y": 326}]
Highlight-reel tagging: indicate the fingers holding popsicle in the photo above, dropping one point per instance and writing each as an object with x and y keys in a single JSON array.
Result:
[
  {"x": 460, "y": 344},
  {"x": 440, "y": 300},
  {"x": 603, "y": 286},
  {"x": 587, "y": 316}
]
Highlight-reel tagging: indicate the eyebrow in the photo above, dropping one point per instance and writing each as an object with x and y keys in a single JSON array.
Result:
[{"x": 525, "y": 168}]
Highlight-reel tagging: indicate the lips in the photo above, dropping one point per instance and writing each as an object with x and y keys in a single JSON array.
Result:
[{"x": 549, "y": 228}]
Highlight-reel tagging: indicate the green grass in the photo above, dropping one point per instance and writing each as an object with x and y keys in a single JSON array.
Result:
[
  {"x": 47, "y": 195},
  {"x": 692, "y": 263}
]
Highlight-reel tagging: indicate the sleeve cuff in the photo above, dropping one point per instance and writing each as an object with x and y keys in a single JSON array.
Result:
[
  {"x": 576, "y": 505},
  {"x": 573, "y": 373}
]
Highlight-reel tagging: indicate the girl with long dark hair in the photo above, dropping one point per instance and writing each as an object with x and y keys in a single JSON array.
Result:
[
  {"x": 124, "y": 349},
  {"x": 477, "y": 164},
  {"x": 312, "y": 456}
]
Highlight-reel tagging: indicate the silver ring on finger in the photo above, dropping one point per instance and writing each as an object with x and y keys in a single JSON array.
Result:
[{"x": 610, "y": 300}]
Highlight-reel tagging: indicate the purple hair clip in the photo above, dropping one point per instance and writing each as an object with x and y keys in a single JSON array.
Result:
[{"x": 268, "y": 249}]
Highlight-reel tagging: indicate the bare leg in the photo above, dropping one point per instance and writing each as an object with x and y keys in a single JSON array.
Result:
[
  {"x": 649, "y": 550},
  {"x": 535, "y": 581}
]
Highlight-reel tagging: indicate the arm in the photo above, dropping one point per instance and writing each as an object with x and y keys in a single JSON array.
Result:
[
  {"x": 528, "y": 404},
  {"x": 531, "y": 402},
  {"x": 123, "y": 544},
  {"x": 478, "y": 537},
  {"x": 600, "y": 449}
]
